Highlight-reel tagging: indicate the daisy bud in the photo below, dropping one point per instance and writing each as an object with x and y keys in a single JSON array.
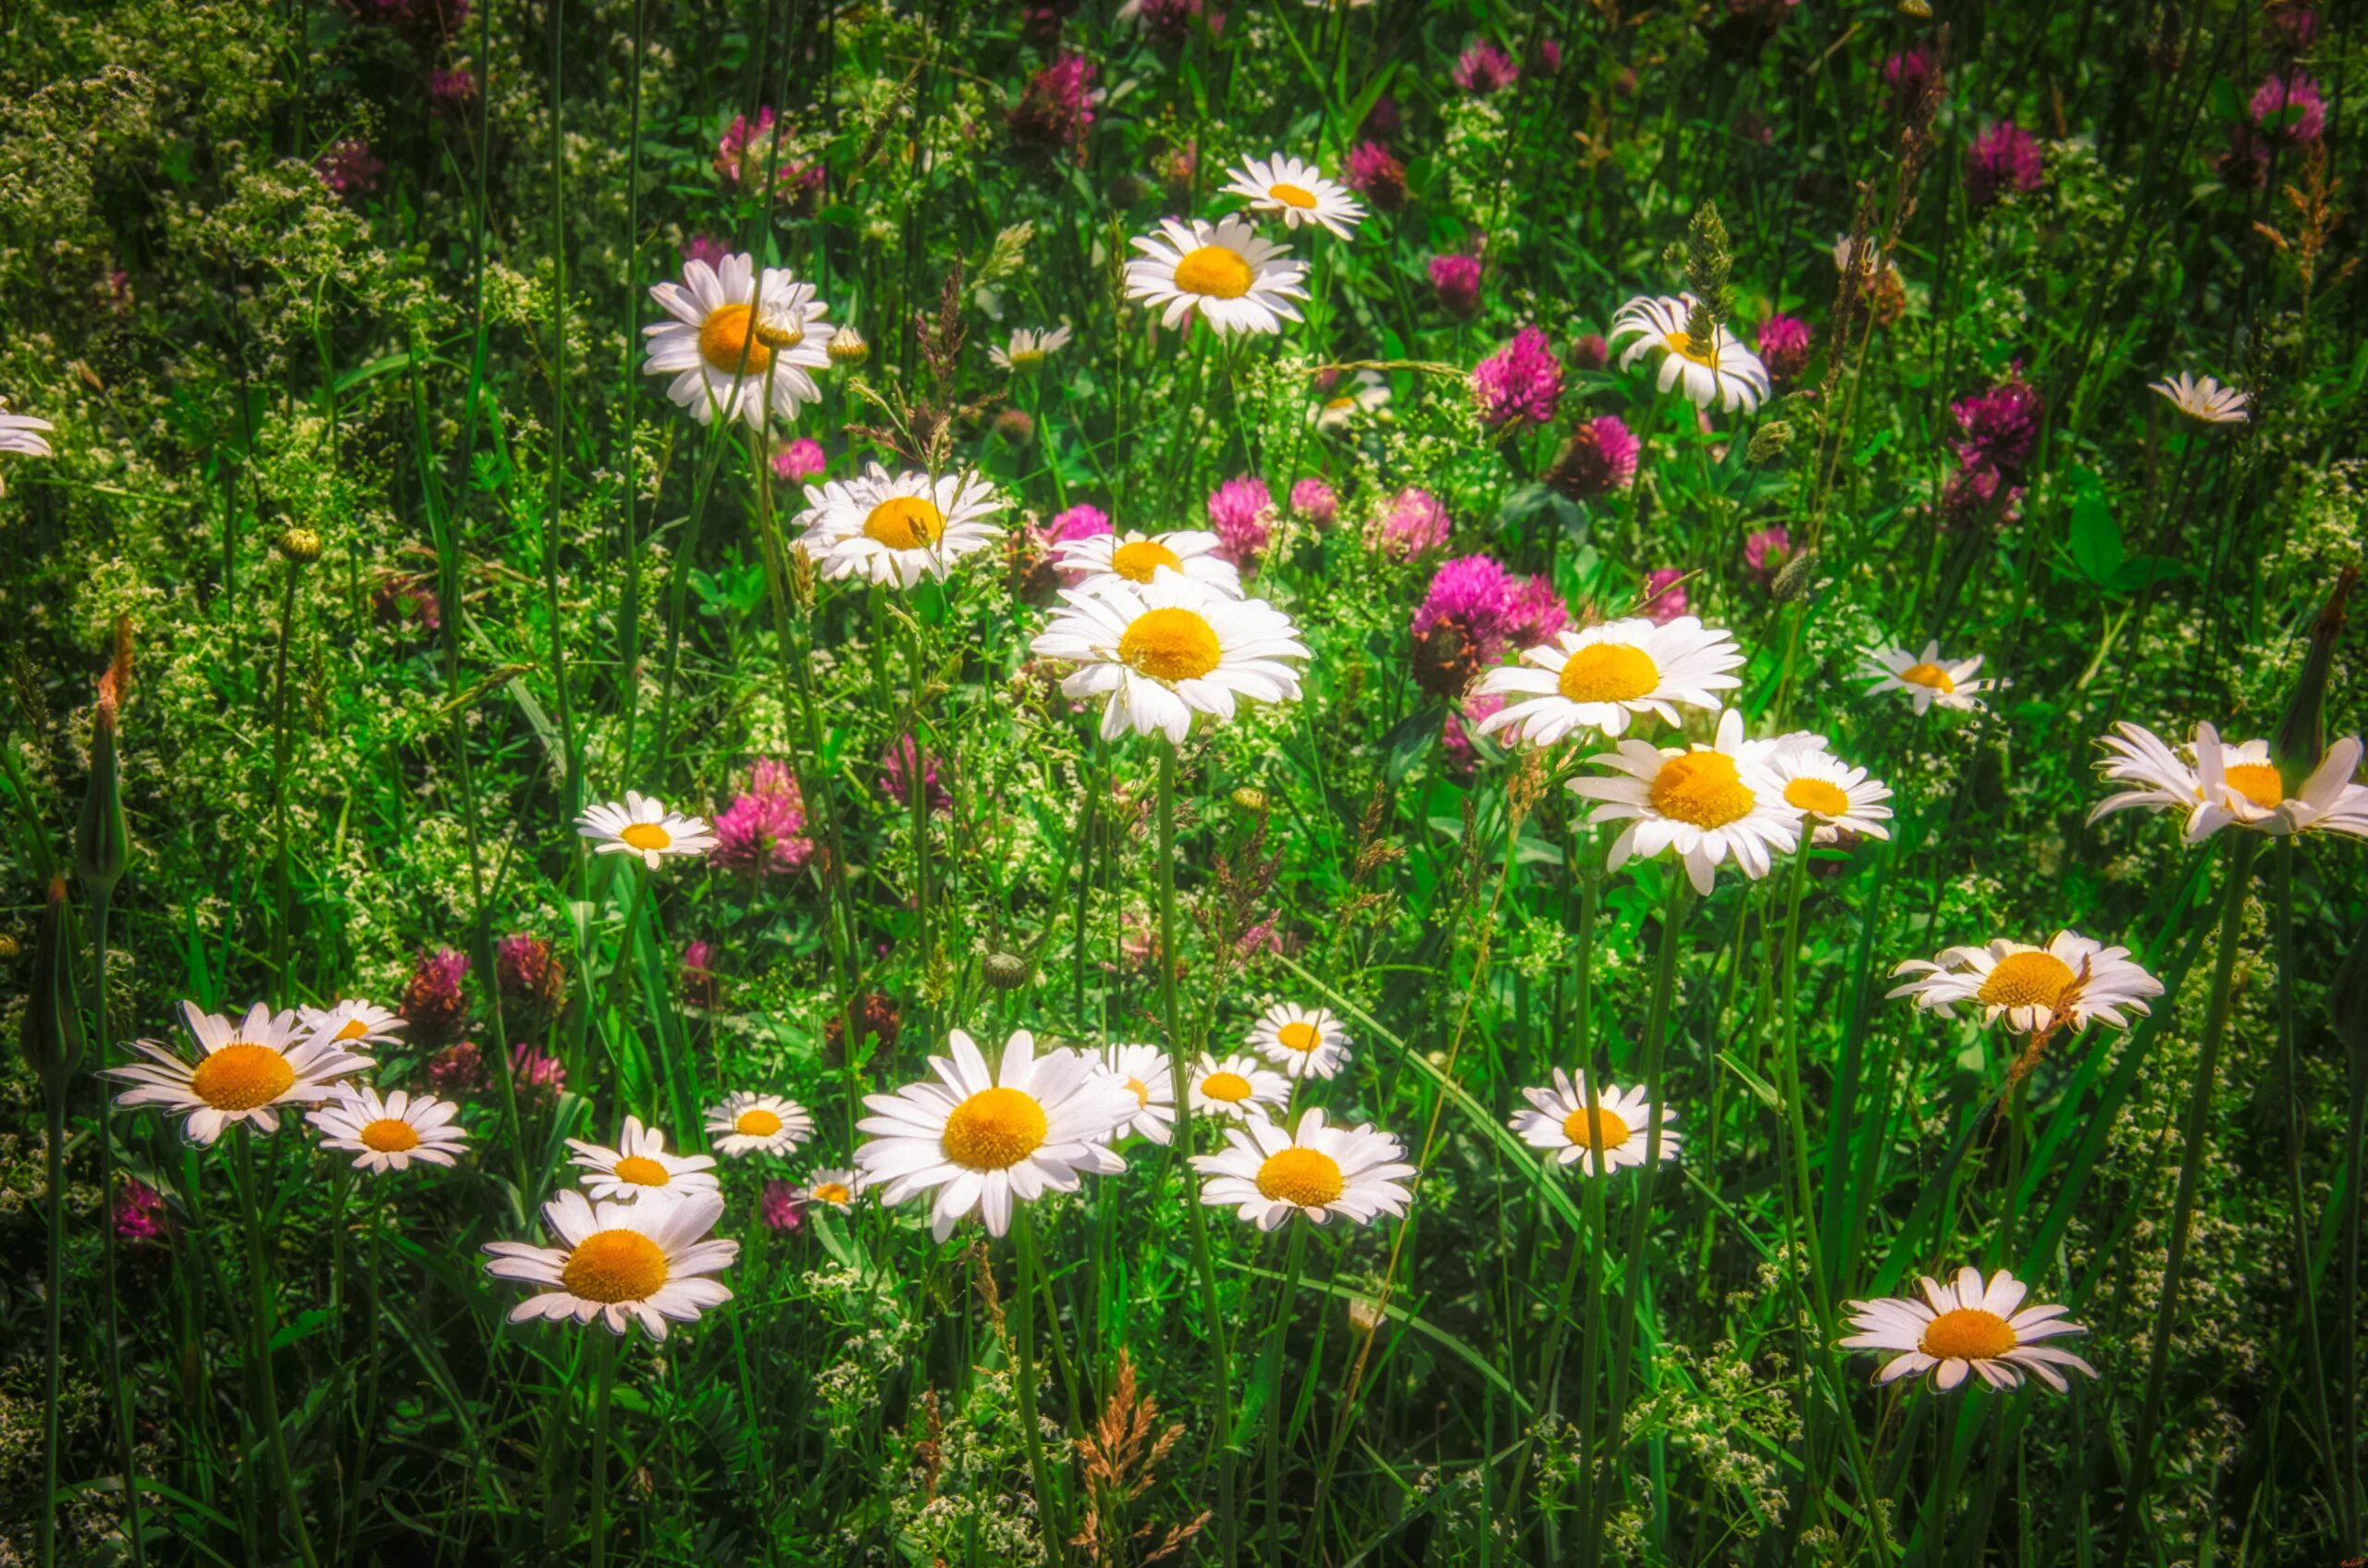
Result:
[
  {"x": 52, "y": 1025},
  {"x": 780, "y": 325},
  {"x": 1007, "y": 972},
  {"x": 1251, "y": 802},
  {"x": 847, "y": 347},
  {"x": 1767, "y": 442},
  {"x": 9, "y": 948},
  {"x": 102, "y": 839},
  {"x": 2301, "y": 740},
  {"x": 1917, "y": 9},
  {"x": 1793, "y": 577},
  {"x": 301, "y": 545}
]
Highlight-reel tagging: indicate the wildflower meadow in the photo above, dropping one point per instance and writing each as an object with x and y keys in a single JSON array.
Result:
[{"x": 1206, "y": 782}]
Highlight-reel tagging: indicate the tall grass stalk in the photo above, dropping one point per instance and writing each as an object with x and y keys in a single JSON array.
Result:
[{"x": 263, "y": 1325}]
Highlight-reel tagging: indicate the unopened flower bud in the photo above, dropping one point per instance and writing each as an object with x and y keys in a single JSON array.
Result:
[
  {"x": 301, "y": 545},
  {"x": 2300, "y": 742},
  {"x": 847, "y": 347},
  {"x": 1767, "y": 442},
  {"x": 780, "y": 325},
  {"x": 102, "y": 838},
  {"x": 1006, "y": 972},
  {"x": 8, "y": 949},
  {"x": 1793, "y": 577},
  {"x": 53, "y": 1023},
  {"x": 1251, "y": 802}
]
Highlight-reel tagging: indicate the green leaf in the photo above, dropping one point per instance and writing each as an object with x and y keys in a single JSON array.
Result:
[
  {"x": 1762, "y": 1091},
  {"x": 305, "y": 1325},
  {"x": 1412, "y": 739},
  {"x": 2096, "y": 537}
]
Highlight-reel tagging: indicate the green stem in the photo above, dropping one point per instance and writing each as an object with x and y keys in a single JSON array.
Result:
[
  {"x": 604, "y": 1355},
  {"x": 119, "y": 1398},
  {"x": 55, "y": 1169},
  {"x": 1271, "y": 1375},
  {"x": 1023, "y": 1356},
  {"x": 283, "y": 901},
  {"x": 263, "y": 1319}
]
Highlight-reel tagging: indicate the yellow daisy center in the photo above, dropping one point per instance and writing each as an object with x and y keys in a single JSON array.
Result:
[
  {"x": 388, "y": 1135},
  {"x": 2027, "y": 979},
  {"x": 1603, "y": 1130},
  {"x": 354, "y": 1029},
  {"x": 1681, "y": 343},
  {"x": 1345, "y": 404},
  {"x": 831, "y": 1192},
  {"x": 1171, "y": 644},
  {"x": 1214, "y": 271},
  {"x": 1300, "y": 1036},
  {"x": 1143, "y": 1092},
  {"x": 1022, "y": 358},
  {"x": 1931, "y": 675},
  {"x": 1297, "y": 196},
  {"x": 2257, "y": 782},
  {"x": 757, "y": 1123},
  {"x": 994, "y": 1130},
  {"x": 242, "y": 1076},
  {"x": 1229, "y": 1087},
  {"x": 1302, "y": 1176},
  {"x": 1607, "y": 671},
  {"x": 614, "y": 1265},
  {"x": 646, "y": 835},
  {"x": 1703, "y": 788},
  {"x": 906, "y": 523},
  {"x": 1816, "y": 796},
  {"x": 642, "y": 1171},
  {"x": 1968, "y": 1334},
  {"x": 728, "y": 332},
  {"x": 1137, "y": 559}
]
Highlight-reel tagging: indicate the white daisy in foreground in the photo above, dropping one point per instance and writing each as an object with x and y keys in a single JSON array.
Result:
[
  {"x": 1267, "y": 1174},
  {"x": 897, "y": 528},
  {"x": 732, "y": 339},
  {"x": 1138, "y": 556},
  {"x": 1603, "y": 675},
  {"x": 1834, "y": 796},
  {"x": 1297, "y": 192},
  {"x": 1925, "y": 677},
  {"x": 748, "y": 1123},
  {"x": 985, "y": 1140},
  {"x": 1610, "y": 1137},
  {"x": 622, "y": 1263},
  {"x": 1143, "y": 1070},
  {"x": 639, "y": 1165},
  {"x": 2069, "y": 980},
  {"x": 1167, "y": 649},
  {"x": 22, "y": 433},
  {"x": 2199, "y": 397},
  {"x": 354, "y": 1022},
  {"x": 1030, "y": 349},
  {"x": 834, "y": 1189},
  {"x": 1302, "y": 1042},
  {"x": 1238, "y": 1087},
  {"x": 1235, "y": 281},
  {"x": 1708, "y": 803},
  {"x": 1720, "y": 372},
  {"x": 2219, "y": 785},
  {"x": 389, "y": 1134},
  {"x": 1365, "y": 392},
  {"x": 1967, "y": 1325},
  {"x": 244, "y": 1071},
  {"x": 640, "y": 825}
]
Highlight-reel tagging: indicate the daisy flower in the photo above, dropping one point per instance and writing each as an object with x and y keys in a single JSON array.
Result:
[
  {"x": 1167, "y": 649},
  {"x": 985, "y": 1139},
  {"x": 749, "y": 1123},
  {"x": 1706, "y": 802},
  {"x": 1144, "y": 1072},
  {"x": 897, "y": 529},
  {"x": 1302, "y": 1042},
  {"x": 2069, "y": 980},
  {"x": 639, "y": 1165},
  {"x": 651, "y": 1262},
  {"x": 640, "y": 825},
  {"x": 1237, "y": 281},
  {"x": 732, "y": 338},
  {"x": 1365, "y": 392},
  {"x": 1831, "y": 794},
  {"x": 2219, "y": 784},
  {"x": 1601, "y": 676},
  {"x": 1030, "y": 349},
  {"x": 1967, "y": 1325},
  {"x": 244, "y": 1071},
  {"x": 389, "y": 1134},
  {"x": 20, "y": 433},
  {"x": 1236, "y": 1087},
  {"x": 1135, "y": 556},
  {"x": 1296, "y": 192},
  {"x": 2199, "y": 397},
  {"x": 1925, "y": 677},
  {"x": 1720, "y": 372},
  {"x": 1613, "y": 1136},
  {"x": 352, "y": 1022},
  {"x": 1267, "y": 1173},
  {"x": 836, "y": 1189}
]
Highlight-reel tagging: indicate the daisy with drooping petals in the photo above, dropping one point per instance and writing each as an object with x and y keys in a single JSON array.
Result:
[
  {"x": 622, "y": 1263},
  {"x": 1238, "y": 1087},
  {"x": 1301, "y": 1042},
  {"x": 389, "y": 1134},
  {"x": 985, "y": 1139},
  {"x": 733, "y": 337},
  {"x": 1834, "y": 796},
  {"x": 2200, "y": 396},
  {"x": 22, "y": 433},
  {"x": 1234, "y": 280},
  {"x": 352, "y": 1022},
  {"x": 1028, "y": 350},
  {"x": 1611, "y": 1136},
  {"x": 1967, "y": 1325},
  {"x": 1167, "y": 649},
  {"x": 639, "y": 1165},
  {"x": 1138, "y": 556},
  {"x": 749, "y": 1123},
  {"x": 897, "y": 529},
  {"x": 2069, "y": 980},
  {"x": 1143, "y": 1070},
  {"x": 244, "y": 1071},
  {"x": 2221, "y": 784},
  {"x": 1296, "y": 192},
  {"x": 1601, "y": 676},
  {"x": 1924, "y": 678},
  {"x": 1720, "y": 372},
  {"x": 1267, "y": 1173},
  {"x": 1708, "y": 803},
  {"x": 640, "y": 825},
  {"x": 1365, "y": 392},
  {"x": 833, "y": 1189}
]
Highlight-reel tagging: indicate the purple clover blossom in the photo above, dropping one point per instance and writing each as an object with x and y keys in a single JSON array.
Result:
[
  {"x": 700, "y": 985},
  {"x": 1055, "y": 108},
  {"x": 1459, "y": 629},
  {"x": 1484, "y": 68},
  {"x": 1664, "y": 595},
  {"x": 2004, "y": 160},
  {"x": 2289, "y": 107},
  {"x": 1784, "y": 347},
  {"x": 1411, "y": 524},
  {"x": 800, "y": 460},
  {"x": 457, "y": 1069},
  {"x": 763, "y": 832},
  {"x": 348, "y": 168},
  {"x": 140, "y": 1213},
  {"x": 1375, "y": 174},
  {"x": 705, "y": 248},
  {"x": 1455, "y": 279},
  {"x": 536, "y": 1076},
  {"x": 433, "y": 1003},
  {"x": 1079, "y": 522},
  {"x": 1534, "y": 612},
  {"x": 1765, "y": 552},
  {"x": 896, "y": 777},
  {"x": 1520, "y": 384},
  {"x": 1241, "y": 512},
  {"x": 2001, "y": 423},
  {"x": 1313, "y": 500},
  {"x": 781, "y": 1207},
  {"x": 1600, "y": 458},
  {"x": 1908, "y": 73}
]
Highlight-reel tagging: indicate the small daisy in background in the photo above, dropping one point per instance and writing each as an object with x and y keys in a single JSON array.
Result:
[
  {"x": 2201, "y": 397},
  {"x": 1720, "y": 372},
  {"x": 1709, "y": 804},
  {"x": 897, "y": 529},
  {"x": 389, "y": 1134},
  {"x": 649, "y": 1263},
  {"x": 832, "y": 1189},
  {"x": 1607, "y": 1139},
  {"x": 1030, "y": 349},
  {"x": 1965, "y": 1327},
  {"x": 1366, "y": 391},
  {"x": 1835, "y": 796},
  {"x": 749, "y": 1123},
  {"x": 1238, "y": 1087},
  {"x": 1302, "y": 1042},
  {"x": 1925, "y": 677},
  {"x": 1297, "y": 192},
  {"x": 1266, "y": 1173},
  {"x": 354, "y": 1022},
  {"x": 1233, "y": 279},
  {"x": 1605, "y": 675},
  {"x": 639, "y": 1165},
  {"x": 734, "y": 339},
  {"x": 640, "y": 825},
  {"x": 1143, "y": 1070},
  {"x": 22, "y": 434},
  {"x": 244, "y": 1072},
  {"x": 2218, "y": 785},
  {"x": 1169, "y": 648},
  {"x": 2070, "y": 980},
  {"x": 1137, "y": 557}
]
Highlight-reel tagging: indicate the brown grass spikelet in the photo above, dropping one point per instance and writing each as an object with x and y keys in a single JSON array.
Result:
[
  {"x": 1118, "y": 1461},
  {"x": 983, "y": 1280}
]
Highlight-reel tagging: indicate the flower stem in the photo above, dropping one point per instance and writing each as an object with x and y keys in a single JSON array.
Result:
[
  {"x": 118, "y": 1391},
  {"x": 55, "y": 1170},
  {"x": 604, "y": 1373},
  {"x": 262, "y": 1316},
  {"x": 1271, "y": 1375},
  {"x": 1023, "y": 1359}
]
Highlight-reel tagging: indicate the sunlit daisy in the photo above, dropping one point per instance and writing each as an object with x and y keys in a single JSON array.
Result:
[
  {"x": 985, "y": 1139},
  {"x": 1834, "y": 796},
  {"x": 2218, "y": 785},
  {"x": 2069, "y": 980},
  {"x": 639, "y": 1165},
  {"x": 1302, "y": 1042},
  {"x": 353, "y": 1023},
  {"x": 1365, "y": 392},
  {"x": 833, "y": 1189},
  {"x": 1235, "y": 281},
  {"x": 732, "y": 338},
  {"x": 1925, "y": 677},
  {"x": 1603, "y": 675},
  {"x": 1163, "y": 651},
  {"x": 1296, "y": 192},
  {"x": 1135, "y": 556},
  {"x": 1267, "y": 1173},
  {"x": 1720, "y": 372},
  {"x": 1610, "y": 1137},
  {"x": 389, "y": 1134},
  {"x": 622, "y": 1262},
  {"x": 1967, "y": 1325},
  {"x": 1143, "y": 1070},
  {"x": 243, "y": 1073},
  {"x": 749, "y": 1123},
  {"x": 1237, "y": 1086},
  {"x": 2199, "y": 397},
  {"x": 22, "y": 433},
  {"x": 1030, "y": 349},
  {"x": 639, "y": 825},
  {"x": 1708, "y": 803},
  {"x": 897, "y": 528}
]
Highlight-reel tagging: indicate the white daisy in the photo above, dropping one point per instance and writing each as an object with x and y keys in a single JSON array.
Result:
[
  {"x": 838, "y": 1189},
  {"x": 987, "y": 1139},
  {"x": 639, "y": 1165},
  {"x": 1135, "y": 556},
  {"x": 2069, "y": 980},
  {"x": 20, "y": 433},
  {"x": 1144, "y": 1072},
  {"x": 640, "y": 825},
  {"x": 1721, "y": 372},
  {"x": 2199, "y": 397},
  {"x": 1030, "y": 349},
  {"x": 1967, "y": 1325},
  {"x": 622, "y": 1262},
  {"x": 1706, "y": 802},
  {"x": 389, "y": 1134},
  {"x": 1237, "y": 281},
  {"x": 748, "y": 1123},
  {"x": 731, "y": 339},
  {"x": 1268, "y": 1173},
  {"x": 352, "y": 1022},
  {"x": 1600, "y": 676},
  {"x": 1302, "y": 1042},
  {"x": 1834, "y": 796},
  {"x": 1612, "y": 1136},
  {"x": 1297, "y": 192},
  {"x": 244, "y": 1071},
  {"x": 1167, "y": 649},
  {"x": 897, "y": 529},
  {"x": 1236, "y": 1087},
  {"x": 1365, "y": 392},
  {"x": 2220, "y": 784},
  {"x": 1924, "y": 678}
]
